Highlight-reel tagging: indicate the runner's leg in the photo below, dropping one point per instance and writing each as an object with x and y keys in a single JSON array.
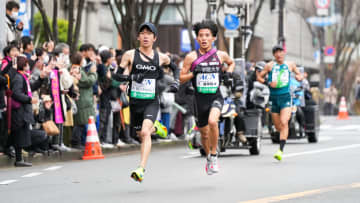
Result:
[
  {"x": 285, "y": 115},
  {"x": 145, "y": 135},
  {"x": 214, "y": 129},
  {"x": 276, "y": 121},
  {"x": 204, "y": 131}
]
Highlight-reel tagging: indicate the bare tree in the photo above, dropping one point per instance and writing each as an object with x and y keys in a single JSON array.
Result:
[
  {"x": 80, "y": 9},
  {"x": 71, "y": 22},
  {"x": 186, "y": 19},
  {"x": 132, "y": 14},
  {"x": 54, "y": 23},
  {"x": 344, "y": 36},
  {"x": 73, "y": 33},
  {"x": 48, "y": 33}
]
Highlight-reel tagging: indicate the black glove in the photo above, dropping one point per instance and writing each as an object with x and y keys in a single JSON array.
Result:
[
  {"x": 174, "y": 87},
  {"x": 137, "y": 77},
  {"x": 228, "y": 80}
]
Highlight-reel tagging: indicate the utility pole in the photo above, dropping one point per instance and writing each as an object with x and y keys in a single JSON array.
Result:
[
  {"x": 2, "y": 25},
  {"x": 281, "y": 36},
  {"x": 322, "y": 65}
]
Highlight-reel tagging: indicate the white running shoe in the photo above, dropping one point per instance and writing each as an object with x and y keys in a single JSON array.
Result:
[
  {"x": 120, "y": 143},
  {"x": 208, "y": 166},
  {"x": 214, "y": 166}
]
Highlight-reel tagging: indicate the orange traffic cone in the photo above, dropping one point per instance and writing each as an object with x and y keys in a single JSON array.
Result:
[
  {"x": 92, "y": 146},
  {"x": 343, "y": 113}
]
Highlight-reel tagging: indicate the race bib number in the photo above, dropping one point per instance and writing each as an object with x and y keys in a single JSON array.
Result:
[
  {"x": 207, "y": 83},
  {"x": 281, "y": 77},
  {"x": 144, "y": 90}
]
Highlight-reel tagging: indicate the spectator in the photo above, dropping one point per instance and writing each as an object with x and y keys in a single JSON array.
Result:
[
  {"x": 22, "y": 114},
  {"x": 28, "y": 47},
  {"x": 13, "y": 31},
  {"x": 49, "y": 47},
  {"x": 305, "y": 82},
  {"x": 85, "y": 106},
  {"x": 62, "y": 54},
  {"x": 106, "y": 85},
  {"x": 58, "y": 86},
  {"x": 330, "y": 97},
  {"x": 357, "y": 96},
  {"x": 10, "y": 52}
]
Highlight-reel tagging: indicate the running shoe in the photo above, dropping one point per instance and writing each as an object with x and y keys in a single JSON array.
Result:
[
  {"x": 278, "y": 155},
  {"x": 212, "y": 165},
  {"x": 161, "y": 130},
  {"x": 208, "y": 166},
  {"x": 138, "y": 174}
]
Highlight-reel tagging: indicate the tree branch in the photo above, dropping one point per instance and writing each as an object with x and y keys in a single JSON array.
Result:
[
  {"x": 160, "y": 11},
  {"x": 71, "y": 23},
  {"x": 54, "y": 23},
  {"x": 48, "y": 33},
  {"x": 80, "y": 9}
]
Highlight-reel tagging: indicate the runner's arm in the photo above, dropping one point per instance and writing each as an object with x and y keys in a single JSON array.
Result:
[
  {"x": 167, "y": 62},
  {"x": 229, "y": 61},
  {"x": 120, "y": 75},
  {"x": 298, "y": 76},
  {"x": 261, "y": 76},
  {"x": 185, "y": 75}
]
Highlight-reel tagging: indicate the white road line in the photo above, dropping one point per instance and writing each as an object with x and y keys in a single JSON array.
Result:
[
  {"x": 325, "y": 127},
  {"x": 191, "y": 156},
  {"x": 325, "y": 138},
  {"x": 323, "y": 150},
  {"x": 7, "y": 182},
  {"x": 53, "y": 168},
  {"x": 349, "y": 127},
  {"x": 31, "y": 175}
]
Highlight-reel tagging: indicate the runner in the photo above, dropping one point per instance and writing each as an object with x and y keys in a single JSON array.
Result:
[
  {"x": 141, "y": 67},
  {"x": 280, "y": 100},
  {"x": 204, "y": 68}
]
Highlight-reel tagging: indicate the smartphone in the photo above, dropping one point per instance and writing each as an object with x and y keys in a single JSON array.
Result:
[{"x": 15, "y": 62}]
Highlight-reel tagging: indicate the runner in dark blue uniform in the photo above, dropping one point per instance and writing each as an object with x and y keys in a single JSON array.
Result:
[{"x": 204, "y": 68}]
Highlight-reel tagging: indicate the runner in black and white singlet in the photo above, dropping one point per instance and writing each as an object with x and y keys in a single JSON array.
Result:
[
  {"x": 204, "y": 68},
  {"x": 142, "y": 70}
]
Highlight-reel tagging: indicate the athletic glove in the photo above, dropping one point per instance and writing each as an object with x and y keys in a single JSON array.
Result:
[
  {"x": 228, "y": 80},
  {"x": 137, "y": 77},
  {"x": 174, "y": 87}
]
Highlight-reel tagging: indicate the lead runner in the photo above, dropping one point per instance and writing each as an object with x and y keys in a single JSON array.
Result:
[
  {"x": 142, "y": 68},
  {"x": 204, "y": 68}
]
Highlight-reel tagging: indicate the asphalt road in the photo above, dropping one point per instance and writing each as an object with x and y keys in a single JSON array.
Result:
[{"x": 328, "y": 171}]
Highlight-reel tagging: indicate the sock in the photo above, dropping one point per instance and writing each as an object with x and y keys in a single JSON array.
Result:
[
  {"x": 282, "y": 145},
  {"x": 212, "y": 154},
  {"x": 18, "y": 153}
]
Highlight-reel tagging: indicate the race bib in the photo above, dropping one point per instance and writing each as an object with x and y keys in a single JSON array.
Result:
[
  {"x": 207, "y": 83},
  {"x": 281, "y": 77},
  {"x": 144, "y": 90}
]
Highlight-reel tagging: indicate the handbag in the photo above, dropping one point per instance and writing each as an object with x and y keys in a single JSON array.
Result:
[{"x": 50, "y": 128}]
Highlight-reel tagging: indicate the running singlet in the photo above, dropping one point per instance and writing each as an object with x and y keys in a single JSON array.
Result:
[
  {"x": 207, "y": 79},
  {"x": 281, "y": 75},
  {"x": 147, "y": 89}
]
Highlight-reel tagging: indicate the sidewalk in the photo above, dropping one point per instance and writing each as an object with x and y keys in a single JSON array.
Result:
[{"x": 77, "y": 154}]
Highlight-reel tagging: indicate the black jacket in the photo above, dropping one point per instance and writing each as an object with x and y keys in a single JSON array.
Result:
[{"x": 24, "y": 114}]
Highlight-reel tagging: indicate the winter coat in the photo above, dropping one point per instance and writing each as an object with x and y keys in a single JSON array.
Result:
[
  {"x": 12, "y": 33},
  {"x": 23, "y": 116},
  {"x": 85, "y": 104},
  {"x": 110, "y": 90}
]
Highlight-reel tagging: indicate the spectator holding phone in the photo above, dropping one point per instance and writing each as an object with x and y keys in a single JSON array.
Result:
[{"x": 13, "y": 30}]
